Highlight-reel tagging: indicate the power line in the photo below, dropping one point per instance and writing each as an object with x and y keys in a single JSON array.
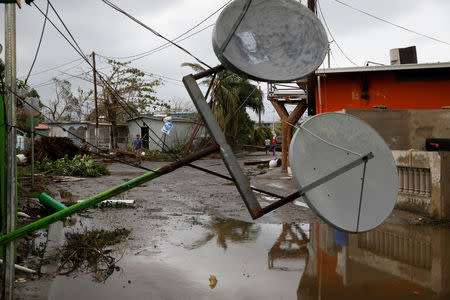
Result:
[
  {"x": 106, "y": 83},
  {"x": 176, "y": 38},
  {"x": 46, "y": 82},
  {"x": 67, "y": 29},
  {"x": 39, "y": 44},
  {"x": 143, "y": 54},
  {"x": 76, "y": 136},
  {"x": 85, "y": 58},
  {"x": 393, "y": 24},
  {"x": 56, "y": 67},
  {"x": 153, "y": 31},
  {"x": 167, "y": 46},
  {"x": 335, "y": 41},
  {"x": 113, "y": 90}
]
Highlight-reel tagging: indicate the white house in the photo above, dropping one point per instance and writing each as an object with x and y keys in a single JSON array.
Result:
[{"x": 150, "y": 130}]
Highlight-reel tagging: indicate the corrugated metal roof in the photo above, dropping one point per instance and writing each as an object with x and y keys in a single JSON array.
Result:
[{"x": 386, "y": 68}]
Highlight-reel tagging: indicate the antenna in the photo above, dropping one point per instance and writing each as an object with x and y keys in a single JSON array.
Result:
[{"x": 341, "y": 166}]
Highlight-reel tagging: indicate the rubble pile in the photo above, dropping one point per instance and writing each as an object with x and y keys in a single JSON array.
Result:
[{"x": 54, "y": 148}]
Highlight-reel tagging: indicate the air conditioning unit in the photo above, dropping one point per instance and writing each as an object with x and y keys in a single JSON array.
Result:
[{"x": 400, "y": 56}]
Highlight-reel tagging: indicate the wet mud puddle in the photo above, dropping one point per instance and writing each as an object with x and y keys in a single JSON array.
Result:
[{"x": 231, "y": 259}]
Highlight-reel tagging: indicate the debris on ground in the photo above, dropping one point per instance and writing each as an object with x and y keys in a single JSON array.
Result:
[
  {"x": 76, "y": 166},
  {"x": 53, "y": 148},
  {"x": 21, "y": 268},
  {"x": 89, "y": 252},
  {"x": 256, "y": 162},
  {"x": 212, "y": 281}
]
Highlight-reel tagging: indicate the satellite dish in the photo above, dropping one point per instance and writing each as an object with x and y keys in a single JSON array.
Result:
[
  {"x": 268, "y": 40},
  {"x": 359, "y": 199}
]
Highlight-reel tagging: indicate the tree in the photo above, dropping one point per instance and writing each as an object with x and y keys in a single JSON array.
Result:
[
  {"x": 231, "y": 95},
  {"x": 128, "y": 93},
  {"x": 24, "y": 90},
  {"x": 66, "y": 106}
]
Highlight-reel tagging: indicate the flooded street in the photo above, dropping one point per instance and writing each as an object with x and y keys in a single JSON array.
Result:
[
  {"x": 191, "y": 238},
  {"x": 268, "y": 261}
]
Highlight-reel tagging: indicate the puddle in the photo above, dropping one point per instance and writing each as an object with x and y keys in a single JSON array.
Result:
[{"x": 272, "y": 261}]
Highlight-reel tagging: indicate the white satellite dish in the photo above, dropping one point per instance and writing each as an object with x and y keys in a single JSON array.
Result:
[
  {"x": 359, "y": 199},
  {"x": 269, "y": 40}
]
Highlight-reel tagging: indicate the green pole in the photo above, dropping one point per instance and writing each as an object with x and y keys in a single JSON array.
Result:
[
  {"x": 18, "y": 233},
  {"x": 2, "y": 166},
  {"x": 51, "y": 203}
]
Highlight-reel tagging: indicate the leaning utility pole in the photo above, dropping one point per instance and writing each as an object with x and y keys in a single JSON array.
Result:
[
  {"x": 95, "y": 98},
  {"x": 9, "y": 213}
]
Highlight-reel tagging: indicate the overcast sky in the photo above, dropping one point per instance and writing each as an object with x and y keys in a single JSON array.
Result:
[{"x": 99, "y": 28}]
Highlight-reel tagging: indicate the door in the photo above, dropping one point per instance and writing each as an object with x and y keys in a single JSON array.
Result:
[{"x": 144, "y": 136}]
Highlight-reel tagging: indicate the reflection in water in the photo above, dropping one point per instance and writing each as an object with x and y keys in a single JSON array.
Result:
[
  {"x": 290, "y": 246},
  {"x": 391, "y": 262},
  {"x": 231, "y": 230},
  {"x": 272, "y": 261}
]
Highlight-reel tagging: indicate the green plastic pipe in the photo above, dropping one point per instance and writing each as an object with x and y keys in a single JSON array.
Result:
[
  {"x": 51, "y": 203},
  {"x": 27, "y": 229}
]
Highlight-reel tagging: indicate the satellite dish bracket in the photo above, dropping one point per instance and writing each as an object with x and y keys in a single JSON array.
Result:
[{"x": 241, "y": 181}]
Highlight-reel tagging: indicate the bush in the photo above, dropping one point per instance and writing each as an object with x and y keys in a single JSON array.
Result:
[{"x": 79, "y": 165}]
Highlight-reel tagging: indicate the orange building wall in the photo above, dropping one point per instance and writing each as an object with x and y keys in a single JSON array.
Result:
[{"x": 344, "y": 91}]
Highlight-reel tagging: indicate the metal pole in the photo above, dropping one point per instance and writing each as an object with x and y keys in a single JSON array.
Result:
[
  {"x": 228, "y": 157},
  {"x": 32, "y": 149},
  {"x": 11, "y": 236},
  {"x": 10, "y": 201},
  {"x": 95, "y": 98},
  {"x": 329, "y": 50}
]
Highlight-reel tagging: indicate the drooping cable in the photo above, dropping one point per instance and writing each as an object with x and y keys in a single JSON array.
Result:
[
  {"x": 143, "y": 54},
  {"x": 391, "y": 23},
  {"x": 335, "y": 41},
  {"x": 151, "y": 51},
  {"x": 39, "y": 44},
  {"x": 154, "y": 32}
]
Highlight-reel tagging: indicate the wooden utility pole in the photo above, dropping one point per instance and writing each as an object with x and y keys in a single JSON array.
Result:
[
  {"x": 9, "y": 212},
  {"x": 287, "y": 121},
  {"x": 95, "y": 98},
  {"x": 311, "y": 89}
]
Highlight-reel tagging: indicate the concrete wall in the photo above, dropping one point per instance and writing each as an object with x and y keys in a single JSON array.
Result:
[
  {"x": 424, "y": 182},
  {"x": 424, "y": 177},
  {"x": 406, "y": 129},
  {"x": 180, "y": 133}
]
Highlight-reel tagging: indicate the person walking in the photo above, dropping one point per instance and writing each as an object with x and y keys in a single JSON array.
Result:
[
  {"x": 138, "y": 148},
  {"x": 274, "y": 144},
  {"x": 267, "y": 145}
]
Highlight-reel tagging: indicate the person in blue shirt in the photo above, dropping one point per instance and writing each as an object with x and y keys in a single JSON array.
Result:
[{"x": 138, "y": 148}]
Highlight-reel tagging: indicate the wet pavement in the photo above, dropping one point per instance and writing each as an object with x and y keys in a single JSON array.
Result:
[
  {"x": 189, "y": 227},
  {"x": 269, "y": 261}
]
